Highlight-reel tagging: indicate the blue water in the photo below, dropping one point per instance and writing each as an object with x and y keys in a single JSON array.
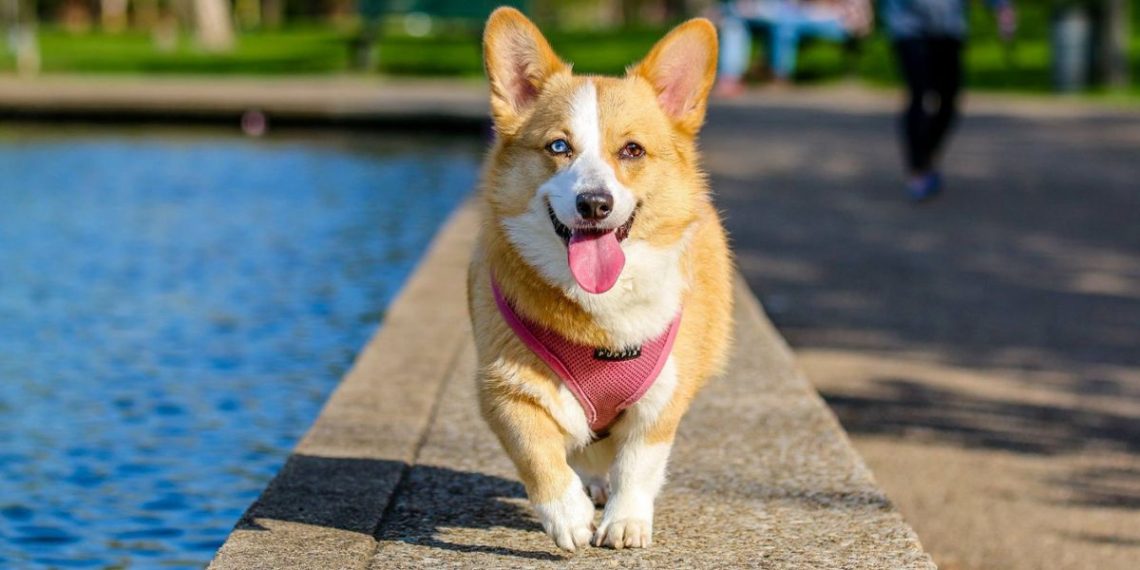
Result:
[{"x": 174, "y": 309}]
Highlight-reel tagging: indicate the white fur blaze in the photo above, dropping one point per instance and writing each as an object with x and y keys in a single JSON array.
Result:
[
  {"x": 589, "y": 170},
  {"x": 638, "y": 470},
  {"x": 569, "y": 520},
  {"x": 585, "y": 122},
  {"x": 636, "y": 477}
]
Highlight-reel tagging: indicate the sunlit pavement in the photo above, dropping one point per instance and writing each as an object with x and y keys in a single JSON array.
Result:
[{"x": 981, "y": 350}]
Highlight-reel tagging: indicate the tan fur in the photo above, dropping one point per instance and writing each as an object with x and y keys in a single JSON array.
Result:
[{"x": 675, "y": 205}]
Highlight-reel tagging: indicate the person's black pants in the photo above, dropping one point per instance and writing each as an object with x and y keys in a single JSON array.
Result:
[{"x": 932, "y": 68}]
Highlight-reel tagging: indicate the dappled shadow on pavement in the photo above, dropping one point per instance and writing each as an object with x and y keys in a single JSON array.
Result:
[
  {"x": 1034, "y": 252},
  {"x": 904, "y": 407},
  {"x": 434, "y": 498},
  {"x": 1110, "y": 487},
  {"x": 1028, "y": 264},
  {"x": 340, "y": 493},
  {"x": 1105, "y": 539},
  {"x": 350, "y": 494}
]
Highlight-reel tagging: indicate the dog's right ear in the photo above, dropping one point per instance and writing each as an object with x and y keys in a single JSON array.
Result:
[{"x": 519, "y": 61}]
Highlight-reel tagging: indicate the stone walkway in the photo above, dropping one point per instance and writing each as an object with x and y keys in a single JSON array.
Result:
[{"x": 399, "y": 471}]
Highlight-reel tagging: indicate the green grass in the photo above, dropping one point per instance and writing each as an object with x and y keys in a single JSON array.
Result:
[
  {"x": 592, "y": 52},
  {"x": 304, "y": 50},
  {"x": 316, "y": 49}
]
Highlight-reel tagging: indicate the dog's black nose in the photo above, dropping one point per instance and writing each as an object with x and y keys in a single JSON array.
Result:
[{"x": 595, "y": 205}]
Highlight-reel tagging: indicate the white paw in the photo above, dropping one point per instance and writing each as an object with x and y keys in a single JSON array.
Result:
[
  {"x": 625, "y": 533},
  {"x": 569, "y": 520},
  {"x": 598, "y": 489}
]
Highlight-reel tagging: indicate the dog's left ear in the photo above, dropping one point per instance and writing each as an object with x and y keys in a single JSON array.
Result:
[{"x": 682, "y": 68}]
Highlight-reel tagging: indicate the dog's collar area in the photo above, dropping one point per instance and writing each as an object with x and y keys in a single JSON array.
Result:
[
  {"x": 617, "y": 355},
  {"x": 604, "y": 381}
]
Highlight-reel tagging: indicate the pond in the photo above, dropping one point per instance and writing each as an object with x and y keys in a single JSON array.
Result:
[{"x": 175, "y": 306}]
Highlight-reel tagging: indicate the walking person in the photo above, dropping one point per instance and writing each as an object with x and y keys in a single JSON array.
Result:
[{"x": 928, "y": 38}]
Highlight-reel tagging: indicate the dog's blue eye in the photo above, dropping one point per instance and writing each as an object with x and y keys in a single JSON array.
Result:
[{"x": 559, "y": 146}]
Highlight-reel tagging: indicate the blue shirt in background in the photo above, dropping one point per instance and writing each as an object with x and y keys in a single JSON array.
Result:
[{"x": 906, "y": 19}]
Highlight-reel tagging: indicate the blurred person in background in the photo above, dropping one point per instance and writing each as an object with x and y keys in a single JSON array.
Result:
[
  {"x": 786, "y": 22},
  {"x": 928, "y": 37}
]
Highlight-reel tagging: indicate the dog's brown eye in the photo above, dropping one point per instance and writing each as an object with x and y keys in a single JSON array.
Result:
[{"x": 631, "y": 150}]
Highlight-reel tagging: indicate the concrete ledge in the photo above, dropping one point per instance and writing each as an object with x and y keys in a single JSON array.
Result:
[
  {"x": 399, "y": 470},
  {"x": 333, "y": 100},
  {"x": 442, "y": 104}
]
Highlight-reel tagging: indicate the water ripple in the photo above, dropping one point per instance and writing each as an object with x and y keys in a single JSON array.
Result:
[{"x": 174, "y": 309}]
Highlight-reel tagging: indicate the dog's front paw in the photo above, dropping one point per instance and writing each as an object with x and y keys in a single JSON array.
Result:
[
  {"x": 631, "y": 533},
  {"x": 569, "y": 520}
]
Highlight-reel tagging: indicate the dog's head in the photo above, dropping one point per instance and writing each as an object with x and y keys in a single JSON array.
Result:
[{"x": 585, "y": 167}]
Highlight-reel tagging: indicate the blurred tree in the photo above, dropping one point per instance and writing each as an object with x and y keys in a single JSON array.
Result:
[
  {"x": 19, "y": 19},
  {"x": 1114, "y": 37},
  {"x": 75, "y": 16},
  {"x": 675, "y": 9},
  {"x": 547, "y": 12},
  {"x": 272, "y": 13},
  {"x": 214, "y": 25},
  {"x": 247, "y": 13},
  {"x": 640, "y": 12},
  {"x": 145, "y": 14},
  {"x": 1090, "y": 43},
  {"x": 113, "y": 15},
  {"x": 9, "y": 11}
]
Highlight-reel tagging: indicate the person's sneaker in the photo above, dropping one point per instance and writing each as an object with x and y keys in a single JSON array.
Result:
[
  {"x": 925, "y": 187},
  {"x": 728, "y": 88}
]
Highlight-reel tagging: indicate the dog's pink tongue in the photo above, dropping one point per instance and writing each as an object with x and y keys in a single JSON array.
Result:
[{"x": 596, "y": 260}]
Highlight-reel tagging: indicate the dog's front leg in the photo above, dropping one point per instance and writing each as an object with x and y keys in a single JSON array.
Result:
[
  {"x": 538, "y": 448},
  {"x": 637, "y": 474}
]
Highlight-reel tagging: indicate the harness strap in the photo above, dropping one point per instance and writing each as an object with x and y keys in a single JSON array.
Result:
[{"x": 604, "y": 381}]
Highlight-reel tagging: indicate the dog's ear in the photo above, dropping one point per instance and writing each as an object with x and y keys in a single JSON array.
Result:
[
  {"x": 682, "y": 68},
  {"x": 519, "y": 61}
]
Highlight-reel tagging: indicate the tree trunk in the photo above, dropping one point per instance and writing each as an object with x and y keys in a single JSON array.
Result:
[
  {"x": 146, "y": 14},
  {"x": 24, "y": 38},
  {"x": 214, "y": 24},
  {"x": 676, "y": 10},
  {"x": 1114, "y": 37},
  {"x": 272, "y": 13},
  {"x": 113, "y": 15},
  {"x": 9, "y": 13},
  {"x": 248, "y": 13},
  {"x": 630, "y": 12}
]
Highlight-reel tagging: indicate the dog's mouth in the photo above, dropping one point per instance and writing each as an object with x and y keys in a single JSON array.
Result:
[
  {"x": 594, "y": 254},
  {"x": 564, "y": 231}
]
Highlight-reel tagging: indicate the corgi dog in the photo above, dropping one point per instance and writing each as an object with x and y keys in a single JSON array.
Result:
[{"x": 600, "y": 289}]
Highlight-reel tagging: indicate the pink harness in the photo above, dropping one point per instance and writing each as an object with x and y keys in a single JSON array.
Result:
[{"x": 604, "y": 381}]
